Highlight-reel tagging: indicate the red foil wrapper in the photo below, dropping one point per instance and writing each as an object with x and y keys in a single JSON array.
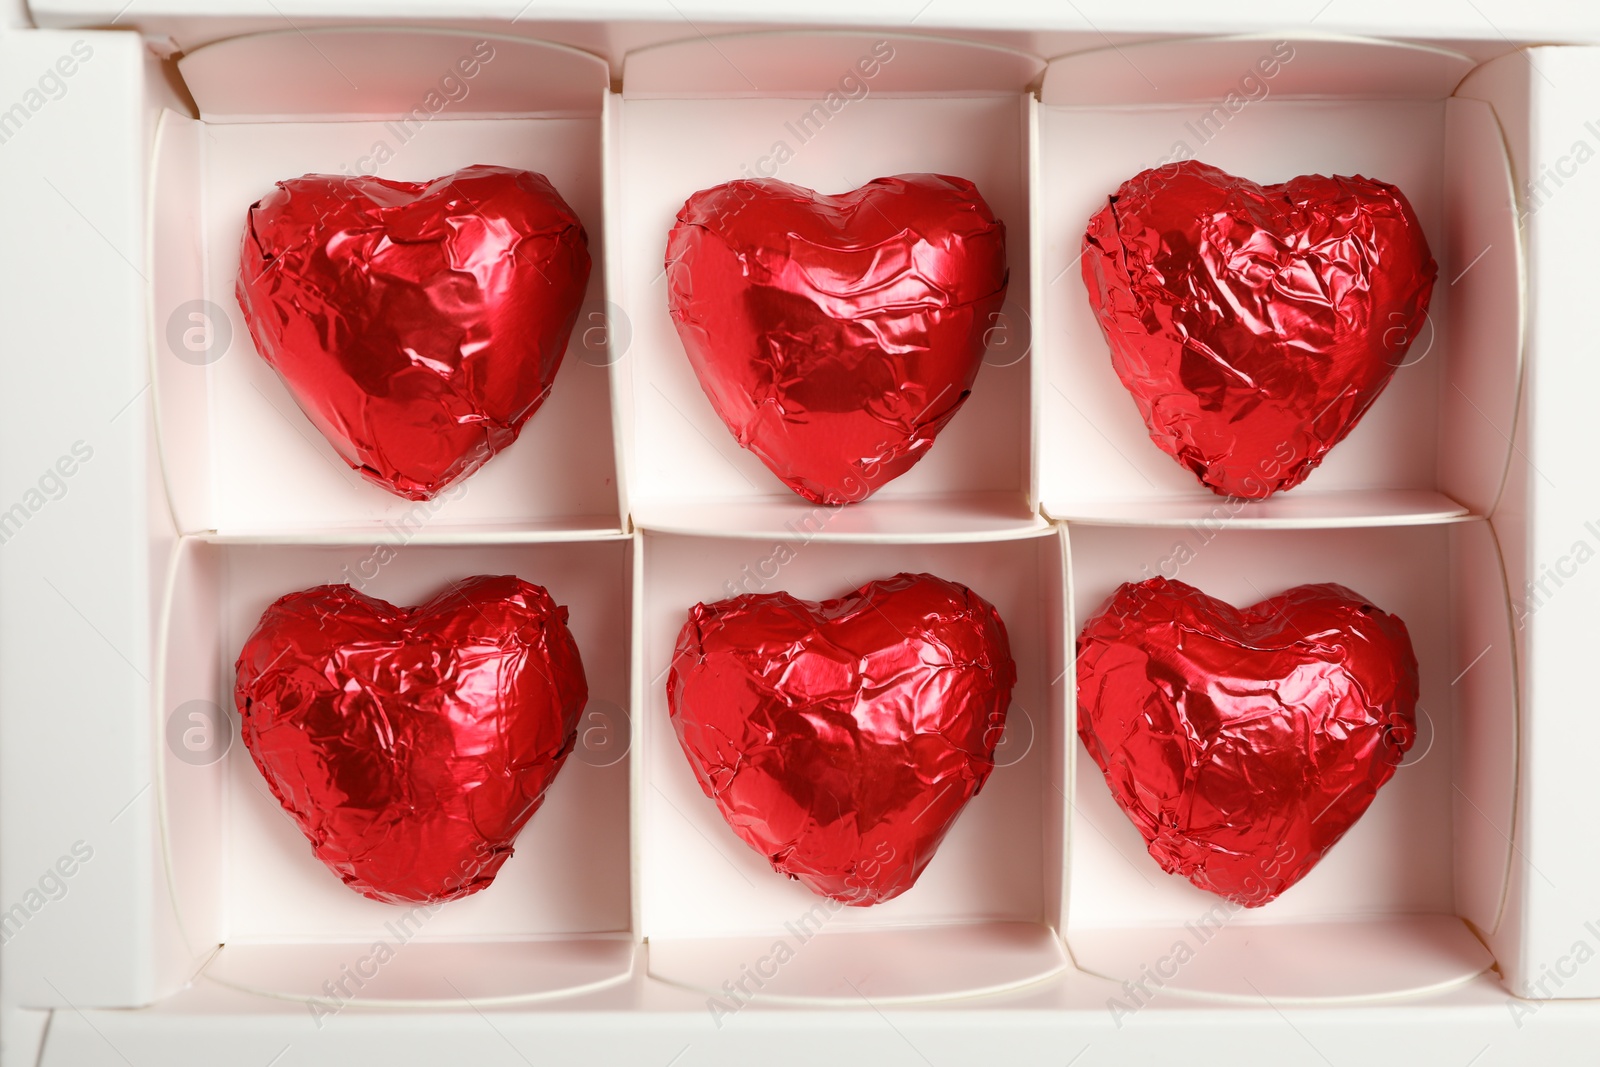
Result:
[
  {"x": 1254, "y": 325},
  {"x": 1243, "y": 744},
  {"x": 418, "y": 326},
  {"x": 841, "y": 740},
  {"x": 411, "y": 745},
  {"x": 837, "y": 335}
]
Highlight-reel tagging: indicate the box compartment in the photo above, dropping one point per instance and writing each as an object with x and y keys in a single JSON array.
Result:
[
  {"x": 1489, "y": 858},
  {"x": 557, "y": 918},
  {"x": 239, "y": 455},
  {"x": 1436, "y": 443},
  {"x": 1406, "y": 901},
  {"x": 984, "y": 913},
  {"x": 932, "y": 106}
]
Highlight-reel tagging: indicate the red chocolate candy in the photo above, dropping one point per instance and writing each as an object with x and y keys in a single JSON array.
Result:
[
  {"x": 837, "y": 335},
  {"x": 410, "y": 745},
  {"x": 1243, "y": 744},
  {"x": 418, "y": 326},
  {"x": 1254, "y": 325},
  {"x": 841, "y": 739}
]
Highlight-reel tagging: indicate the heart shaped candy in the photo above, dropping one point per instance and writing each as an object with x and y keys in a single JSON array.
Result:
[
  {"x": 411, "y": 745},
  {"x": 1243, "y": 744},
  {"x": 835, "y": 336},
  {"x": 1255, "y": 325},
  {"x": 841, "y": 740},
  {"x": 418, "y": 326}
]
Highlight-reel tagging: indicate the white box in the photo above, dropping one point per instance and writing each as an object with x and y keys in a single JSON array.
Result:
[{"x": 202, "y": 500}]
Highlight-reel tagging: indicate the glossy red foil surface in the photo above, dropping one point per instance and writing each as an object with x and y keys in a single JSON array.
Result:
[
  {"x": 1243, "y": 744},
  {"x": 411, "y": 745},
  {"x": 1255, "y": 325},
  {"x": 841, "y": 740},
  {"x": 837, "y": 335},
  {"x": 418, "y": 326}
]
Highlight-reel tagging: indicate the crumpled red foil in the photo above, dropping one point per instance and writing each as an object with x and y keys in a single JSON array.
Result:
[
  {"x": 1255, "y": 325},
  {"x": 842, "y": 739},
  {"x": 835, "y": 336},
  {"x": 417, "y": 325},
  {"x": 1243, "y": 743},
  {"x": 411, "y": 745}
]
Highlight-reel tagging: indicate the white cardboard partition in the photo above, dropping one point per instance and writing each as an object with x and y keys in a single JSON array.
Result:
[
  {"x": 239, "y": 455},
  {"x": 1435, "y": 443},
  {"x": 930, "y": 106},
  {"x": 1434, "y": 842},
  {"x": 80, "y": 580},
  {"x": 426, "y": 974},
  {"x": 352, "y": 73},
  {"x": 1548, "y": 516},
  {"x": 987, "y": 905}
]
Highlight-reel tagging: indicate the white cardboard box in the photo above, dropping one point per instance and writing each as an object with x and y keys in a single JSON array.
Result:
[{"x": 137, "y": 580}]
